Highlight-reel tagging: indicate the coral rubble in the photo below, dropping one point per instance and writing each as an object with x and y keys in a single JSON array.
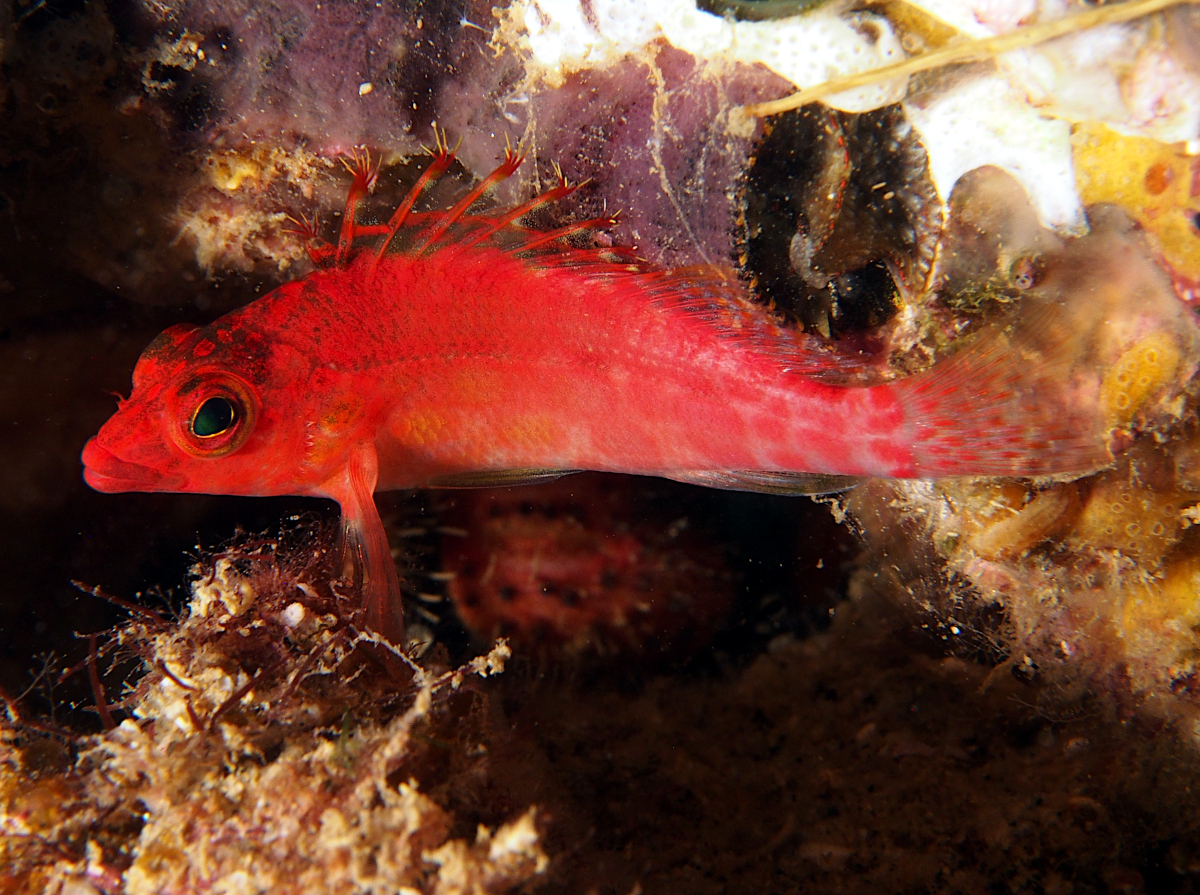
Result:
[
  {"x": 1093, "y": 578},
  {"x": 849, "y": 761},
  {"x": 270, "y": 746}
]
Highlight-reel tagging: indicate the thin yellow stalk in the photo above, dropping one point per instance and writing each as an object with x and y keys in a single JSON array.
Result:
[{"x": 969, "y": 51}]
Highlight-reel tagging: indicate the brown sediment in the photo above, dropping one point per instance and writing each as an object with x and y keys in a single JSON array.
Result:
[{"x": 850, "y": 761}]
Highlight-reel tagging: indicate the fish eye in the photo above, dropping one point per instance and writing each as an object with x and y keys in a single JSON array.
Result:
[
  {"x": 214, "y": 413},
  {"x": 213, "y": 417},
  {"x": 1027, "y": 271}
]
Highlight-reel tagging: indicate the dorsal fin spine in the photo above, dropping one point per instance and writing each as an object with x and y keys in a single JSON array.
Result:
[
  {"x": 554, "y": 194},
  {"x": 364, "y": 181},
  {"x": 512, "y": 161},
  {"x": 550, "y": 236},
  {"x": 443, "y": 158}
]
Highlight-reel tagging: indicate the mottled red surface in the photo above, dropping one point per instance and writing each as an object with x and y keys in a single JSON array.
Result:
[{"x": 578, "y": 566}]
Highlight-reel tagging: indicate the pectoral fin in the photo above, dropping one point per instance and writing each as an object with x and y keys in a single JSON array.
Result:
[{"x": 365, "y": 544}]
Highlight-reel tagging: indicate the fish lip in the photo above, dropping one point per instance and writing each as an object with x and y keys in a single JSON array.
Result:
[{"x": 104, "y": 471}]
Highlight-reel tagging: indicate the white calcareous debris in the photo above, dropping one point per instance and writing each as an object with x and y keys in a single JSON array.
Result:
[
  {"x": 984, "y": 121},
  {"x": 807, "y": 49},
  {"x": 1135, "y": 76},
  {"x": 225, "y": 590},
  {"x": 292, "y": 615},
  {"x": 1016, "y": 113}
]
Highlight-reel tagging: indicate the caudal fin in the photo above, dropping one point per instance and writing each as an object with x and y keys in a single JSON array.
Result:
[
  {"x": 999, "y": 408},
  {"x": 1015, "y": 401},
  {"x": 1098, "y": 342}
]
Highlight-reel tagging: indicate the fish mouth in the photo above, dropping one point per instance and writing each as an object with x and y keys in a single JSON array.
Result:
[{"x": 107, "y": 472}]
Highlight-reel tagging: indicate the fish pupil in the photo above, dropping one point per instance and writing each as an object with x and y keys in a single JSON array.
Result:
[{"x": 213, "y": 417}]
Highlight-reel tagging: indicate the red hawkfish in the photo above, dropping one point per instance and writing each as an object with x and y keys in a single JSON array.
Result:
[{"x": 456, "y": 349}]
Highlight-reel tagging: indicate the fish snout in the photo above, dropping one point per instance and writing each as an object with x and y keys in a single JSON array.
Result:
[{"x": 107, "y": 472}]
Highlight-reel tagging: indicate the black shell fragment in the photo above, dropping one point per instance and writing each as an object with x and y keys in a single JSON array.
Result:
[{"x": 840, "y": 217}]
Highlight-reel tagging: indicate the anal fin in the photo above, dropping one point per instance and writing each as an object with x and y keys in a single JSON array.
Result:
[
  {"x": 767, "y": 482},
  {"x": 497, "y": 478}
]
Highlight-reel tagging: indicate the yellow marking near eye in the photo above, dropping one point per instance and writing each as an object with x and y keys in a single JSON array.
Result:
[{"x": 341, "y": 415}]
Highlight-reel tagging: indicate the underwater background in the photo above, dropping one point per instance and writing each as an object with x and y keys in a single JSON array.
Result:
[{"x": 968, "y": 685}]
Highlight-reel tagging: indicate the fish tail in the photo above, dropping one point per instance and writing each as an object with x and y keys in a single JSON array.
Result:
[{"x": 1017, "y": 400}]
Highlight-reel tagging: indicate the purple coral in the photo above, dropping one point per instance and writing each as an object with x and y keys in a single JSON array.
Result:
[{"x": 330, "y": 75}]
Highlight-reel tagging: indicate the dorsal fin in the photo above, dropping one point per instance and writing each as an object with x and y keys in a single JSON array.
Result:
[
  {"x": 710, "y": 295},
  {"x": 426, "y": 239},
  {"x": 720, "y": 300},
  {"x": 443, "y": 158}
]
